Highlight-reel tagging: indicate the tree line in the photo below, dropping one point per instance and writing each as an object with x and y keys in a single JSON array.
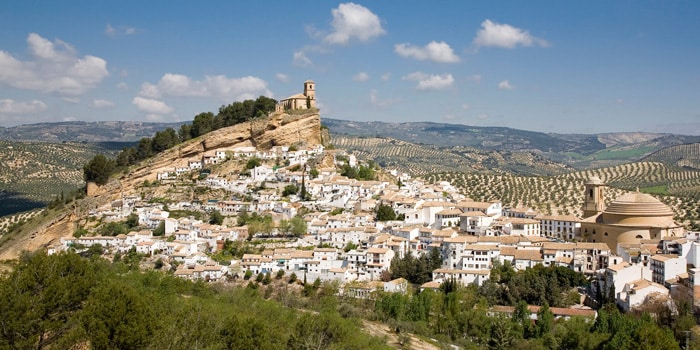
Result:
[
  {"x": 463, "y": 317},
  {"x": 66, "y": 301},
  {"x": 100, "y": 167}
]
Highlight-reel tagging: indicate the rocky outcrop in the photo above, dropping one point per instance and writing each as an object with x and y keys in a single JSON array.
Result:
[{"x": 276, "y": 130}]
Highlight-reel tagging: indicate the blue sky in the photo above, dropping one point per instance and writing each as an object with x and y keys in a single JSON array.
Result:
[{"x": 552, "y": 66}]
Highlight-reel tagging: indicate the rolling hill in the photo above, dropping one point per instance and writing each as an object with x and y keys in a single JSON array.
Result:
[
  {"x": 32, "y": 172},
  {"x": 114, "y": 131},
  {"x": 580, "y": 151},
  {"x": 687, "y": 156}
]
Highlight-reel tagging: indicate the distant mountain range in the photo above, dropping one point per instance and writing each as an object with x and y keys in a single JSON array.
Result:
[
  {"x": 110, "y": 131},
  {"x": 502, "y": 138}
]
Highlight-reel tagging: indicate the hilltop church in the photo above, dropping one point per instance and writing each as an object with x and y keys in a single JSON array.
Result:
[
  {"x": 305, "y": 100},
  {"x": 632, "y": 217}
]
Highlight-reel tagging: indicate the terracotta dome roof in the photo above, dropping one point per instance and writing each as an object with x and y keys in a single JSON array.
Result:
[
  {"x": 638, "y": 210},
  {"x": 638, "y": 204}
]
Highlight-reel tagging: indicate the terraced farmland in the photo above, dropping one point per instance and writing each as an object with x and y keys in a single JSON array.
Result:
[
  {"x": 32, "y": 173},
  {"x": 420, "y": 159},
  {"x": 402, "y": 155},
  {"x": 682, "y": 155},
  {"x": 563, "y": 194}
]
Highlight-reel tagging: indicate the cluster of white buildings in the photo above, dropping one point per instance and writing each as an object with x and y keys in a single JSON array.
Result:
[
  {"x": 281, "y": 153},
  {"x": 357, "y": 249}
]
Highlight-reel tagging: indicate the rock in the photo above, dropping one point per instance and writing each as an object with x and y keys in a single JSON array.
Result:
[{"x": 276, "y": 130}]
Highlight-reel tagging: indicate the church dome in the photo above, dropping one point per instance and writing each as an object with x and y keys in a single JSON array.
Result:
[{"x": 638, "y": 209}]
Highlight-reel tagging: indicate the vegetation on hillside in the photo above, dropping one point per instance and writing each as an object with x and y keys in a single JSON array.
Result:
[
  {"x": 562, "y": 194},
  {"x": 687, "y": 155},
  {"x": 581, "y": 151},
  {"x": 203, "y": 123},
  {"x": 67, "y": 301},
  {"x": 459, "y": 135},
  {"x": 35, "y": 173},
  {"x": 422, "y": 159},
  {"x": 63, "y": 301}
]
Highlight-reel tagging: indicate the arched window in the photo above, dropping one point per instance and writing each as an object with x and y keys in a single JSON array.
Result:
[
  {"x": 606, "y": 233},
  {"x": 639, "y": 237}
]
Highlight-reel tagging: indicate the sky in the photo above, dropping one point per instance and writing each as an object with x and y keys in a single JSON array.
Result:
[{"x": 550, "y": 66}]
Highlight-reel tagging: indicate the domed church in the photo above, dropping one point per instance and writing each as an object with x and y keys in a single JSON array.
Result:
[{"x": 630, "y": 218}]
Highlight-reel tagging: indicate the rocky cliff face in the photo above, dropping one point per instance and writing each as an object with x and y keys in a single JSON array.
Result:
[{"x": 277, "y": 130}]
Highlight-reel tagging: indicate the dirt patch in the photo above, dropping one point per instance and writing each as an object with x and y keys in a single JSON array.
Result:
[{"x": 382, "y": 330}]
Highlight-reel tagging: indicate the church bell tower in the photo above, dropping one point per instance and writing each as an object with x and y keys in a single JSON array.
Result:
[
  {"x": 310, "y": 92},
  {"x": 594, "y": 203}
]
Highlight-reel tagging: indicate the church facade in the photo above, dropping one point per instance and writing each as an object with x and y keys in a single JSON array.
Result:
[
  {"x": 630, "y": 218},
  {"x": 305, "y": 100}
]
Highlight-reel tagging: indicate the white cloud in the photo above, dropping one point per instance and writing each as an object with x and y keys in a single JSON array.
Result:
[
  {"x": 476, "y": 78},
  {"x": 505, "y": 36},
  {"x": 152, "y": 106},
  {"x": 122, "y": 86},
  {"x": 375, "y": 101},
  {"x": 102, "y": 104},
  {"x": 353, "y": 21},
  {"x": 217, "y": 86},
  {"x": 119, "y": 30},
  {"x": 149, "y": 90},
  {"x": 361, "y": 76},
  {"x": 109, "y": 30},
  {"x": 619, "y": 101},
  {"x": 73, "y": 100},
  {"x": 54, "y": 67},
  {"x": 465, "y": 106},
  {"x": 8, "y": 106},
  {"x": 505, "y": 85},
  {"x": 434, "y": 51},
  {"x": 430, "y": 82},
  {"x": 386, "y": 76},
  {"x": 282, "y": 77},
  {"x": 236, "y": 89},
  {"x": 300, "y": 59}
]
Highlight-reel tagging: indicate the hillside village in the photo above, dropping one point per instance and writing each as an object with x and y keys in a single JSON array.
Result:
[{"x": 345, "y": 242}]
